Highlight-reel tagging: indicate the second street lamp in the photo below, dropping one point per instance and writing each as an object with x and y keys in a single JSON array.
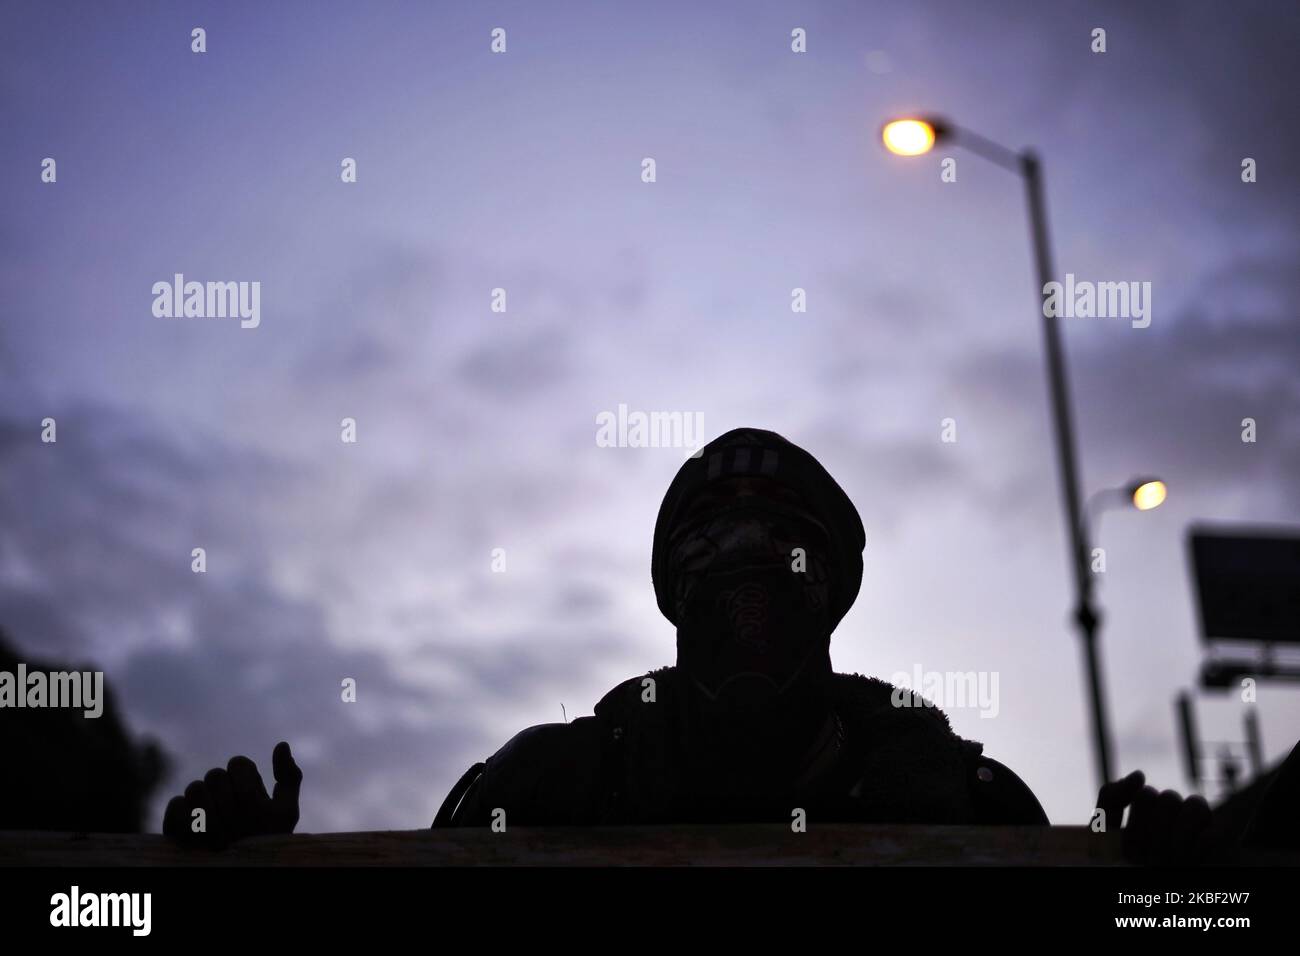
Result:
[
  {"x": 1144, "y": 494},
  {"x": 913, "y": 136},
  {"x": 1148, "y": 494}
]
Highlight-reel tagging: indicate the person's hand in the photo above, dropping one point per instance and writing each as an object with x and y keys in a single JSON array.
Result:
[
  {"x": 235, "y": 803},
  {"x": 1163, "y": 828}
]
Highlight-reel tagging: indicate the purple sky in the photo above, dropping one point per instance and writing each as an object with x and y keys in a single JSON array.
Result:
[{"x": 477, "y": 429}]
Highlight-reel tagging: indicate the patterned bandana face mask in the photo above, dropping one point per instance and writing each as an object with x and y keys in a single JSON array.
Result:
[{"x": 751, "y": 588}]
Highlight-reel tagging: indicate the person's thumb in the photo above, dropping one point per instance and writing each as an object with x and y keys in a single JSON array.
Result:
[
  {"x": 288, "y": 781},
  {"x": 1118, "y": 794}
]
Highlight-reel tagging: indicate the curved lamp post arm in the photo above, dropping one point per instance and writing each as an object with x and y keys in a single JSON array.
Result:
[{"x": 981, "y": 146}]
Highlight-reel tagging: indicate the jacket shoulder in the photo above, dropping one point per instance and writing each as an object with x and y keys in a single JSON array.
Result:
[
  {"x": 550, "y": 774},
  {"x": 1000, "y": 797},
  {"x": 947, "y": 777},
  {"x": 545, "y": 775}
]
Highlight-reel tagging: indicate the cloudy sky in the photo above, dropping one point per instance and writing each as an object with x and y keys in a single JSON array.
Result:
[{"x": 476, "y": 429}]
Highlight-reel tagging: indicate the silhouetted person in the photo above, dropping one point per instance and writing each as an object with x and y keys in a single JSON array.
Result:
[
  {"x": 67, "y": 771},
  {"x": 757, "y": 556}
]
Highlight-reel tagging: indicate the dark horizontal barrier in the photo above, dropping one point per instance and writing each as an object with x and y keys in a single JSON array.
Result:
[
  {"x": 766, "y": 845},
  {"x": 747, "y": 845}
]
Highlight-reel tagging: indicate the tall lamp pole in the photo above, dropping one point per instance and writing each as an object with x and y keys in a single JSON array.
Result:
[{"x": 911, "y": 137}]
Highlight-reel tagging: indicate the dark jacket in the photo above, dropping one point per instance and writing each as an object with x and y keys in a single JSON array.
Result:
[{"x": 896, "y": 764}]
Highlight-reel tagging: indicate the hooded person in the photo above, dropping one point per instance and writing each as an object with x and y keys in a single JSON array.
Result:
[{"x": 757, "y": 556}]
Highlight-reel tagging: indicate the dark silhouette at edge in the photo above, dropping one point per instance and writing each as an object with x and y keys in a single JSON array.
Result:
[{"x": 71, "y": 772}]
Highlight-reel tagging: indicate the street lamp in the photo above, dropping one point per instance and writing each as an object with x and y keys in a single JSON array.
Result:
[
  {"x": 1148, "y": 494},
  {"x": 913, "y": 136},
  {"x": 1144, "y": 494},
  {"x": 909, "y": 137}
]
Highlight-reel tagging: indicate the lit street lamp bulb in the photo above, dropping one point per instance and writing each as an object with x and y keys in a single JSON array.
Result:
[
  {"x": 908, "y": 137},
  {"x": 1149, "y": 494}
]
